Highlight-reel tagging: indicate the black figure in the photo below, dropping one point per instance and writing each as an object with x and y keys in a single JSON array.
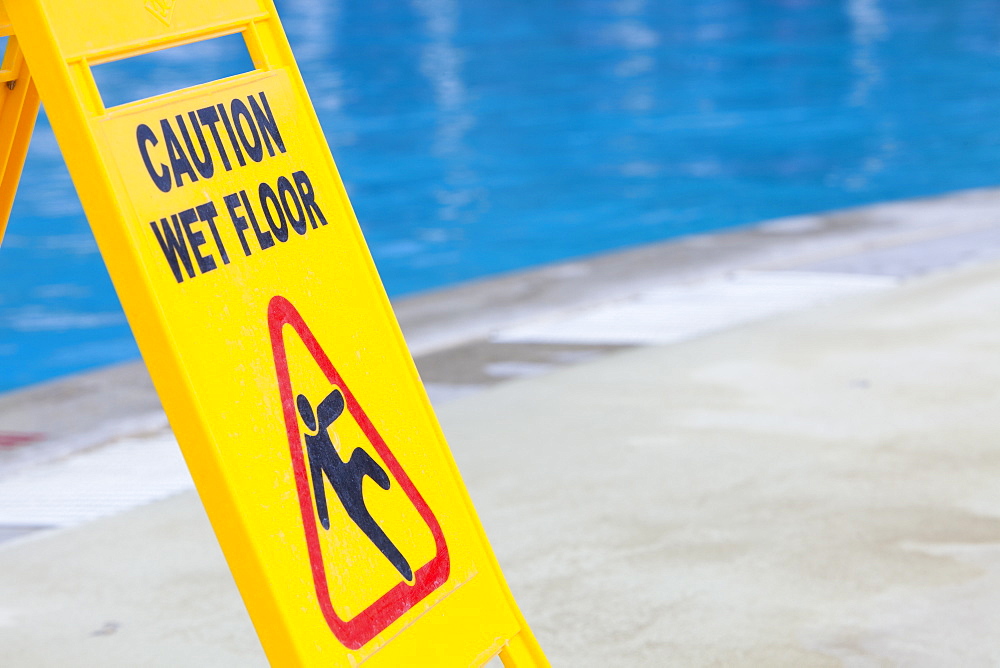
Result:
[{"x": 345, "y": 477}]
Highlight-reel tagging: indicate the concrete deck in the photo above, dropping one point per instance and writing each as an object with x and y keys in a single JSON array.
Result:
[
  {"x": 811, "y": 487},
  {"x": 821, "y": 489}
]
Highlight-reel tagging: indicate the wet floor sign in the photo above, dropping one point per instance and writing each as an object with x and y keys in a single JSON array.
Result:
[{"x": 253, "y": 298}]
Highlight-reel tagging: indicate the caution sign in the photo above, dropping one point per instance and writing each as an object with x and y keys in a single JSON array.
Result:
[{"x": 256, "y": 305}]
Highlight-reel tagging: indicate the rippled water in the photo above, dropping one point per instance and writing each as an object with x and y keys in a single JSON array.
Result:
[{"x": 482, "y": 136}]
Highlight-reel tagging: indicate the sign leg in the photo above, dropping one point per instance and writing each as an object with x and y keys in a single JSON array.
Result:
[
  {"x": 523, "y": 651},
  {"x": 18, "y": 109}
]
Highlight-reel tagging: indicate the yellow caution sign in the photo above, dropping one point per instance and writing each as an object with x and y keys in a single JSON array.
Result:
[{"x": 258, "y": 310}]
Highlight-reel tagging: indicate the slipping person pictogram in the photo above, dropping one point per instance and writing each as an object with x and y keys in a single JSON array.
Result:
[{"x": 346, "y": 478}]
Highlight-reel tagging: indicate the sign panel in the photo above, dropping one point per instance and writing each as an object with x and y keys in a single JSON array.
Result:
[
  {"x": 243, "y": 272},
  {"x": 236, "y": 216}
]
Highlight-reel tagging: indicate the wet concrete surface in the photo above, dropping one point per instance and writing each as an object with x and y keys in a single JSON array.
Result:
[{"x": 816, "y": 489}]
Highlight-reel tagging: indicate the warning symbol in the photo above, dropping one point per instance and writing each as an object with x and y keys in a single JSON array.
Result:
[
  {"x": 345, "y": 477},
  {"x": 352, "y": 527}
]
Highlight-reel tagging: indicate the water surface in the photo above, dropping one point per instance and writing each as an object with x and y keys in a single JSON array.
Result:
[{"x": 483, "y": 136}]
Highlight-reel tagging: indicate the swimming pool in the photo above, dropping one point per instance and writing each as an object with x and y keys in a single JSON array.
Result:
[{"x": 482, "y": 137}]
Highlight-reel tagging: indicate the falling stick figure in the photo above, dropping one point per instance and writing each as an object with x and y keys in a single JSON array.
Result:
[{"x": 346, "y": 478}]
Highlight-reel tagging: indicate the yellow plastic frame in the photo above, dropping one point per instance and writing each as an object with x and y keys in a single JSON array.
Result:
[{"x": 62, "y": 40}]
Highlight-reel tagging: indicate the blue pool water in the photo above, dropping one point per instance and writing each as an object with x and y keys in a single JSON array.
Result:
[{"x": 484, "y": 136}]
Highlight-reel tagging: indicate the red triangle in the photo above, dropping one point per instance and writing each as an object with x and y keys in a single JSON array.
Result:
[{"x": 359, "y": 630}]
